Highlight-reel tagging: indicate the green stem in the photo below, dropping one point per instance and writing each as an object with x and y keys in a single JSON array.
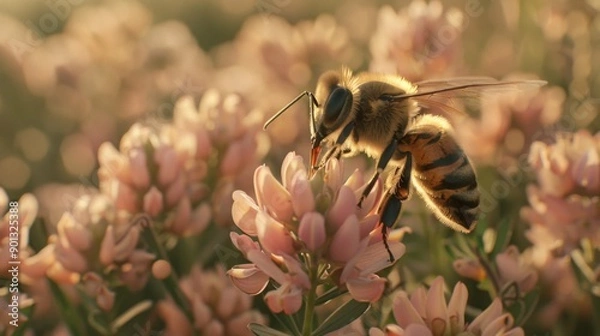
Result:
[{"x": 311, "y": 297}]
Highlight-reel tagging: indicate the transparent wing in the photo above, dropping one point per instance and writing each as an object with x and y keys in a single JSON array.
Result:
[{"x": 449, "y": 95}]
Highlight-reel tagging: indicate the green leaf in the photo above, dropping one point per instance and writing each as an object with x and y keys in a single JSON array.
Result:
[
  {"x": 288, "y": 322},
  {"x": 342, "y": 316},
  {"x": 262, "y": 330},
  {"x": 331, "y": 294}
]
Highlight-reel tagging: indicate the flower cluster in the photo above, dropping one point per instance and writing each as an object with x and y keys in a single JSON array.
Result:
[
  {"x": 308, "y": 232},
  {"x": 563, "y": 213},
  {"x": 183, "y": 172},
  {"x": 218, "y": 307},
  {"x": 419, "y": 42},
  {"x": 426, "y": 313}
]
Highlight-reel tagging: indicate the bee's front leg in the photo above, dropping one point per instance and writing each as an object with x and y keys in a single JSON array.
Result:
[
  {"x": 384, "y": 159},
  {"x": 392, "y": 204}
]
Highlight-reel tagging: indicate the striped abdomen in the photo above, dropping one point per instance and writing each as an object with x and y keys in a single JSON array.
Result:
[{"x": 442, "y": 173}]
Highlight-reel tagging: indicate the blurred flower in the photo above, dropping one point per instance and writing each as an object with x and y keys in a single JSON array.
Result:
[
  {"x": 271, "y": 61},
  {"x": 420, "y": 42},
  {"x": 218, "y": 308},
  {"x": 564, "y": 204},
  {"x": 511, "y": 269},
  {"x": 427, "y": 313},
  {"x": 512, "y": 120},
  {"x": 316, "y": 217},
  {"x": 563, "y": 212}
]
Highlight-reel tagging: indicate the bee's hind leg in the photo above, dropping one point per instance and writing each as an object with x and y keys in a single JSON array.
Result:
[
  {"x": 385, "y": 158},
  {"x": 391, "y": 206}
]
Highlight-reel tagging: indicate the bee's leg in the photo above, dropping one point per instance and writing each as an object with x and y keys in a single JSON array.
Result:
[
  {"x": 385, "y": 158},
  {"x": 336, "y": 149},
  {"x": 392, "y": 204}
]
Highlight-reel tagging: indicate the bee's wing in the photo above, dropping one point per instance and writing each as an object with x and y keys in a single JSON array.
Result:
[{"x": 444, "y": 94}]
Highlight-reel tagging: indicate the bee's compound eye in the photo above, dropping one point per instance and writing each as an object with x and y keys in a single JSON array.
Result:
[{"x": 337, "y": 106}]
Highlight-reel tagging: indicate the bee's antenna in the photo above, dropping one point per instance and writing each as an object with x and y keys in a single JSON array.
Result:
[{"x": 312, "y": 102}]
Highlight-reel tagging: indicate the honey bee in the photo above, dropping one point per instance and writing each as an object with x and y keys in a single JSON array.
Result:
[{"x": 383, "y": 116}]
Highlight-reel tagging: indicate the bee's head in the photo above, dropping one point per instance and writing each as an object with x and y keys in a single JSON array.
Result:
[{"x": 334, "y": 111}]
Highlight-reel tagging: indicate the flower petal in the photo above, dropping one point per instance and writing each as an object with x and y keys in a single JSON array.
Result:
[
  {"x": 303, "y": 200},
  {"x": 486, "y": 317},
  {"x": 366, "y": 289},
  {"x": 273, "y": 236},
  {"x": 292, "y": 164},
  {"x": 457, "y": 306},
  {"x": 244, "y": 212},
  {"x": 248, "y": 278},
  {"x": 404, "y": 311},
  {"x": 343, "y": 207},
  {"x": 346, "y": 241},
  {"x": 312, "y": 230},
  {"x": 437, "y": 311},
  {"x": 272, "y": 195}
]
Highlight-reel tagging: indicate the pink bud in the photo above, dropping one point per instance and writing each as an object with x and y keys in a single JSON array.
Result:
[
  {"x": 153, "y": 202},
  {"x": 227, "y": 303},
  {"x": 175, "y": 320},
  {"x": 78, "y": 236},
  {"x": 180, "y": 218},
  {"x": 232, "y": 160},
  {"x": 37, "y": 265},
  {"x": 107, "y": 247},
  {"x": 303, "y": 200},
  {"x": 140, "y": 177},
  {"x": 70, "y": 257},
  {"x": 125, "y": 246},
  {"x": 344, "y": 207},
  {"x": 202, "y": 313},
  {"x": 113, "y": 162},
  {"x": 105, "y": 299},
  {"x": 273, "y": 236},
  {"x": 168, "y": 165},
  {"x": 346, "y": 241},
  {"x": 333, "y": 174},
  {"x": 199, "y": 220},
  {"x": 469, "y": 268},
  {"x": 312, "y": 230},
  {"x": 124, "y": 196},
  {"x": 175, "y": 191}
]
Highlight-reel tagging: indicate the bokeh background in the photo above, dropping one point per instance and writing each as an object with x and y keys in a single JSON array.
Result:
[{"x": 75, "y": 74}]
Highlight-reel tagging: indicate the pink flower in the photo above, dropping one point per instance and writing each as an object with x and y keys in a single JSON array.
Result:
[
  {"x": 563, "y": 213},
  {"x": 427, "y": 313},
  {"x": 218, "y": 308},
  {"x": 318, "y": 217},
  {"x": 414, "y": 43}
]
